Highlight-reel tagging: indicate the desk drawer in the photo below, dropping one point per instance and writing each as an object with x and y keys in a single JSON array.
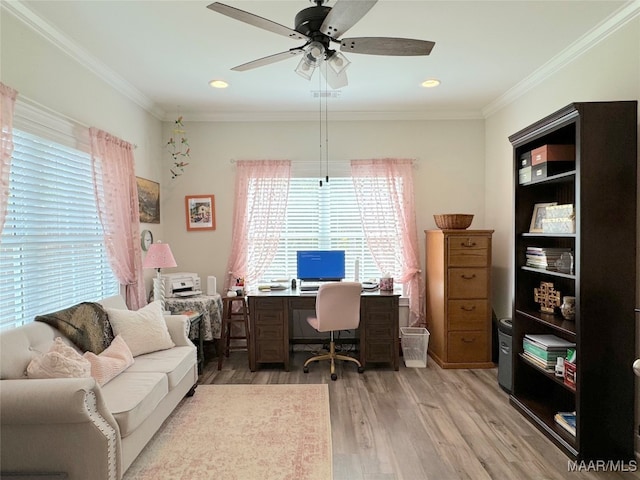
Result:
[
  {"x": 468, "y": 347},
  {"x": 269, "y": 343},
  {"x": 380, "y": 332},
  {"x": 379, "y": 352},
  {"x": 303, "y": 303},
  {"x": 267, "y": 311},
  {"x": 467, "y": 314},
  {"x": 266, "y": 303},
  {"x": 468, "y": 283}
]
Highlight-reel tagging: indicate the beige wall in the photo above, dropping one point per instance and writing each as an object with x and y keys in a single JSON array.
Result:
[
  {"x": 610, "y": 71},
  {"x": 449, "y": 173},
  {"x": 46, "y": 76}
]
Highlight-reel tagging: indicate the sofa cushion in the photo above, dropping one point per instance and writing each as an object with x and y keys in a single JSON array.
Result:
[
  {"x": 110, "y": 363},
  {"x": 85, "y": 324},
  {"x": 144, "y": 330},
  {"x": 132, "y": 397},
  {"x": 61, "y": 361},
  {"x": 175, "y": 363}
]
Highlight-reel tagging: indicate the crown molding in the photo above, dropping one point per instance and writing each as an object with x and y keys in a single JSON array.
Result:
[
  {"x": 312, "y": 116},
  {"x": 54, "y": 36},
  {"x": 613, "y": 23}
]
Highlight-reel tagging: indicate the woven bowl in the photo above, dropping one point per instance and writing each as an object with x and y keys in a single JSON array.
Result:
[{"x": 453, "y": 221}]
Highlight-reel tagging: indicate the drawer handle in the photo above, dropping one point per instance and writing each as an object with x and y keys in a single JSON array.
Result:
[
  {"x": 469, "y": 244},
  {"x": 468, "y": 277},
  {"x": 468, "y": 309},
  {"x": 467, "y": 340}
]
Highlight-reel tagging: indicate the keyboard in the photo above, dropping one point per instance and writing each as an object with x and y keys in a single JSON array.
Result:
[{"x": 309, "y": 288}]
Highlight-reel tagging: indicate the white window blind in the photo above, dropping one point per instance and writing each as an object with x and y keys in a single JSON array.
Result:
[
  {"x": 324, "y": 217},
  {"x": 52, "y": 251}
]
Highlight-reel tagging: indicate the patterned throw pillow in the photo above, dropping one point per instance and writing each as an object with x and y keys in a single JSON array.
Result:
[
  {"x": 85, "y": 324},
  {"x": 61, "y": 361},
  {"x": 110, "y": 363}
]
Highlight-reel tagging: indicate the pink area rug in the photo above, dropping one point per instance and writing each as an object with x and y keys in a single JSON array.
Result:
[{"x": 243, "y": 432}]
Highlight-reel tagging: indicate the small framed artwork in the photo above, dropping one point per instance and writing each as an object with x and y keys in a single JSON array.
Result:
[
  {"x": 201, "y": 212},
  {"x": 539, "y": 211},
  {"x": 148, "y": 200}
]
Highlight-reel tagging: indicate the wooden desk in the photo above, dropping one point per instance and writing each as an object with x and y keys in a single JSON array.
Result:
[{"x": 269, "y": 320}]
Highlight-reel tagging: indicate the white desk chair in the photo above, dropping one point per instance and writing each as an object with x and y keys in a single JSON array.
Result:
[{"x": 337, "y": 308}]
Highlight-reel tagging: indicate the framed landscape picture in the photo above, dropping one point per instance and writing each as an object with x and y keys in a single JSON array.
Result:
[
  {"x": 200, "y": 212},
  {"x": 148, "y": 200}
]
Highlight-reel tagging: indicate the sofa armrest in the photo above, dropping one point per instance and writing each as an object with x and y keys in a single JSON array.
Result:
[
  {"x": 178, "y": 326},
  {"x": 51, "y": 400},
  {"x": 58, "y": 425}
]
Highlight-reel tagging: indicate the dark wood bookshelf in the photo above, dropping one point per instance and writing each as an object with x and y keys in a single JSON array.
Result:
[{"x": 601, "y": 185}]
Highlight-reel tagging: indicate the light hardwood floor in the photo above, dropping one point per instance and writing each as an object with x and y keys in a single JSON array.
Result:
[{"x": 418, "y": 423}]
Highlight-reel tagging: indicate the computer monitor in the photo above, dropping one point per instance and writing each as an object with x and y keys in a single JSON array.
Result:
[{"x": 320, "y": 265}]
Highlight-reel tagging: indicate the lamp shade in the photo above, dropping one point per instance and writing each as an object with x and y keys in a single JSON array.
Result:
[{"x": 159, "y": 256}]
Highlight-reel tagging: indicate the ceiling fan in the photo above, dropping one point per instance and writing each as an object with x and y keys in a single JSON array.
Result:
[{"x": 319, "y": 26}]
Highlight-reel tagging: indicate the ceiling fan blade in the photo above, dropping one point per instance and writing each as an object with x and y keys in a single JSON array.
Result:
[
  {"x": 255, "y": 20},
  {"x": 261, "y": 62},
  {"x": 387, "y": 46},
  {"x": 344, "y": 15},
  {"x": 335, "y": 81}
]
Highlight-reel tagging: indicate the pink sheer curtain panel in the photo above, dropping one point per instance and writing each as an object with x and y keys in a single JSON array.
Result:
[
  {"x": 262, "y": 190},
  {"x": 113, "y": 162},
  {"x": 7, "y": 104},
  {"x": 384, "y": 191}
]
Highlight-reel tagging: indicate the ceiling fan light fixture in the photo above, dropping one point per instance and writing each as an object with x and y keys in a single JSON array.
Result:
[
  {"x": 315, "y": 51},
  {"x": 338, "y": 62},
  {"x": 306, "y": 68},
  {"x": 218, "y": 84}
]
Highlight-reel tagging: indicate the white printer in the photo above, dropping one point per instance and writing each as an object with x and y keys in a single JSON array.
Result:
[{"x": 181, "y": 285}]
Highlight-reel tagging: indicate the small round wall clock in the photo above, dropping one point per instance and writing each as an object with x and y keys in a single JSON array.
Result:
[{"x": 146, "y": 239}]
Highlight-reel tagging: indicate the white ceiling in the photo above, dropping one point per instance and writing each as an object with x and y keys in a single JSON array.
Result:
[{"x": 162, "y": 54}]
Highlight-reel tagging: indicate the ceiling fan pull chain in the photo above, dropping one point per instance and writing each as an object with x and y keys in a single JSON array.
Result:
[
  {"x": 320, "y": 124},
  {"x": 326, "y": 119}
]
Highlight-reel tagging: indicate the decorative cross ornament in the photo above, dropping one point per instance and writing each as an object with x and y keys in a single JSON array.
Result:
[{"x": 547, "y": 296}]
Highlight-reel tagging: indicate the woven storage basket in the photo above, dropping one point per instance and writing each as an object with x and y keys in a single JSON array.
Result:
[{"x": 454, "y": 221}]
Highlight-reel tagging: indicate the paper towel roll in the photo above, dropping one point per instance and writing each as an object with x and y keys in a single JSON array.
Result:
[{"x": 211, "y": 285}]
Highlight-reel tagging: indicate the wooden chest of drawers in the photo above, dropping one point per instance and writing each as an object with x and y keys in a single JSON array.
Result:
[{"x": 458, "y": 292}]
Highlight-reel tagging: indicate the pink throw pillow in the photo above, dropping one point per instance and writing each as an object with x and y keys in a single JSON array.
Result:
[
  {"x": 61, "y": 361},
  {"x": 111, "y": 362}
]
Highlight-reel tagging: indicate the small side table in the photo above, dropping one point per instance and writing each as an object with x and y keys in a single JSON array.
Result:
[{"x": 195, "y": 321}]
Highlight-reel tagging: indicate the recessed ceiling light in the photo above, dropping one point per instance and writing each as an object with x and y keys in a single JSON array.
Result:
[
  {"x": 430, "y": 83},
  {"x": 218, "y": 84}
]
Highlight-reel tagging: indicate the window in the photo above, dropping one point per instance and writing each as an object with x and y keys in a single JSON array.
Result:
[
  {"x": 324, "y": 217},
  {"x": 52, "y": 251}
]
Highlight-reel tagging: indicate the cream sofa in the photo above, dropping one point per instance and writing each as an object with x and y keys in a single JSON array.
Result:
[{"x": 76, "y": 427}]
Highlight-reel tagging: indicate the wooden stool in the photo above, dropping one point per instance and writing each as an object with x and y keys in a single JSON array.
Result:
[{"x": 230, "y": 317}]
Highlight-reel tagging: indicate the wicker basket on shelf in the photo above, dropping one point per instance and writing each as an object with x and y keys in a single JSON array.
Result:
[{"x": 453, "y": 221}]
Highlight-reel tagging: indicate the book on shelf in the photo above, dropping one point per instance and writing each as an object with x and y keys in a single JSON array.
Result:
[
  {"x": 542, "y": 353},
  {"x": 544, "y": 258},
  {"x": 549, "y": 341},
  {"x": 538, "y": 362},
  {"x": 566, "y": 420}
]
